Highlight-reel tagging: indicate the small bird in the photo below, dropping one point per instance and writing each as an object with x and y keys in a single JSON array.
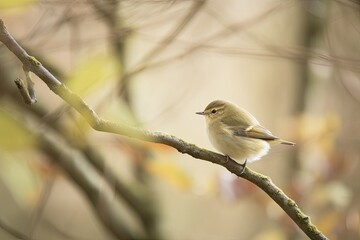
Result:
[{"x": 236, "y": 133}]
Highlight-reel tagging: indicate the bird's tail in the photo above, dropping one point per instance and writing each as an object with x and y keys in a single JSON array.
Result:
[{"x": 286, "y": 142}]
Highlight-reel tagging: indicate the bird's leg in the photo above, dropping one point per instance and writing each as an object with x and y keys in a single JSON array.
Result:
[{"x": 243, "y": 167}]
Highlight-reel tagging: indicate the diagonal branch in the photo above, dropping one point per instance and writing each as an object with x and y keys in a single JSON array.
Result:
[
  {"x": 81, "y": 172},
  {"x": 222, "y": 34},
  {"x": 265, "y": 183}
]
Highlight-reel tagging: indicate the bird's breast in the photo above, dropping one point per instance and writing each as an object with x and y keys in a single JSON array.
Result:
[{"x": 238, "y": 148}]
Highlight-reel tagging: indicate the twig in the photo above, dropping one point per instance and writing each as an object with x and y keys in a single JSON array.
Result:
[
  {"x": 235, "y": 27},
  {"x": 30, "y": 84},
  {"x": 26, "y": 88},
  {"x": 20, "y": 84},
  {"x": 287, "y": 204},
  {"x": 163, "y": 44},
  {"x": 197, "y": 5}
]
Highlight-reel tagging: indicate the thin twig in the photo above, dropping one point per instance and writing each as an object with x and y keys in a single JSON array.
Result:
[
  {"x": 236, "y": 27},
  {"x": 20, "y": 84},
  {"x": 163, "y": 44},
  {"x": 287, "y": 204}
]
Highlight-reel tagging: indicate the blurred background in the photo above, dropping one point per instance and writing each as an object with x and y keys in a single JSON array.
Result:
[{"x": 293, "y": 64}]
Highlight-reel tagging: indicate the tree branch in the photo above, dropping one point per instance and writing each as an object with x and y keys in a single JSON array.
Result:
[
  {"x": 77, "y": 167},
  {"x": 287, "y": 204}
]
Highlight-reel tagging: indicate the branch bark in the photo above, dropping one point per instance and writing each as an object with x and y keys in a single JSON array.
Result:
[{"x": 263, "y": 182}]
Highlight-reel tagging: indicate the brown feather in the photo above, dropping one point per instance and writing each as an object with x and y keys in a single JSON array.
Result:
[{"x": 258, "y": 132}]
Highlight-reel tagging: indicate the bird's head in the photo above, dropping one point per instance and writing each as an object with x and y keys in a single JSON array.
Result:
[{"x": 217, "y": 110}]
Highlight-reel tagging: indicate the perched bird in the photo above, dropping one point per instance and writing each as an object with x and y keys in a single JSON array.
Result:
[{"x": 236, "y": 133}]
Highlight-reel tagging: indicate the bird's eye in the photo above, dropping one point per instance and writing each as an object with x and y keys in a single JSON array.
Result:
[{"x": 213, "y": 111}]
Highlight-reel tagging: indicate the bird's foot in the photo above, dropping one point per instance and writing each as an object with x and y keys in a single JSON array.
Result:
[{"x": 243, "y": 167}]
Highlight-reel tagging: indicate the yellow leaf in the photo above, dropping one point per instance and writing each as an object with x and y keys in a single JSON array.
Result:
[
  {"x": 319, "y": 130},
  {"x": 329, "y": 221},
  {"x": 22, "y": 183},
  {"x": 171, "y": 173},
  {"x": 14, "y": 136},
  {"x": 15, "y": 3},
  {"x": 271, "y": 234},
  {"x": 92, "y": 72}
]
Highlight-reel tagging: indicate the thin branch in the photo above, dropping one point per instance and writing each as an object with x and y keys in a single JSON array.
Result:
[
  {"x": 161, "y": 46},
  {"x": 299, "y": 54},
  {"x": 107, "y": 10},
  {"x": 21, "y": 85},
  {"x": 287, "y": 204},
  {"x": 235, "y": 27}
]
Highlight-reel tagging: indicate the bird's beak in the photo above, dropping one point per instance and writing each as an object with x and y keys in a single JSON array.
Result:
[{"x": 200, "y": 113}]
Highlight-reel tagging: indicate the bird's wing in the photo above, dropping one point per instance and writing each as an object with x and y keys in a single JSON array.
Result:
[{"x": 254, "y": 131}]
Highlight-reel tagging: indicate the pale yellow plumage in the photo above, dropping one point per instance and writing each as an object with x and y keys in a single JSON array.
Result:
[{"x": 236, "y": 133}]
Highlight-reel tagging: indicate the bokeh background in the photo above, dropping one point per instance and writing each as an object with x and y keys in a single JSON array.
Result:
[{"x": 153, "y": 64}]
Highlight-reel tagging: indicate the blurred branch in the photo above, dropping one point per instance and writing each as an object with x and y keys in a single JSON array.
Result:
[
  {"x": 77, "y": 171},
  {"x": 109, "y": 11},
  {"x": 106, "y": 9},
  {"x": 163, "y": 44},
  {"x": 139, "y": 201},
  {"x": 78, "y": 168},
  {"x": 298, "y": 54},
  {"x": 39, "y": 210},
  {"x": 352, "y": 91},
  {"x": 13, "y": 231},
  {"x": 235, "y": 28}
]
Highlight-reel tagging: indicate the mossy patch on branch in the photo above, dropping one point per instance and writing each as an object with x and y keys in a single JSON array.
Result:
[{"x": 34, "y": 61}]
